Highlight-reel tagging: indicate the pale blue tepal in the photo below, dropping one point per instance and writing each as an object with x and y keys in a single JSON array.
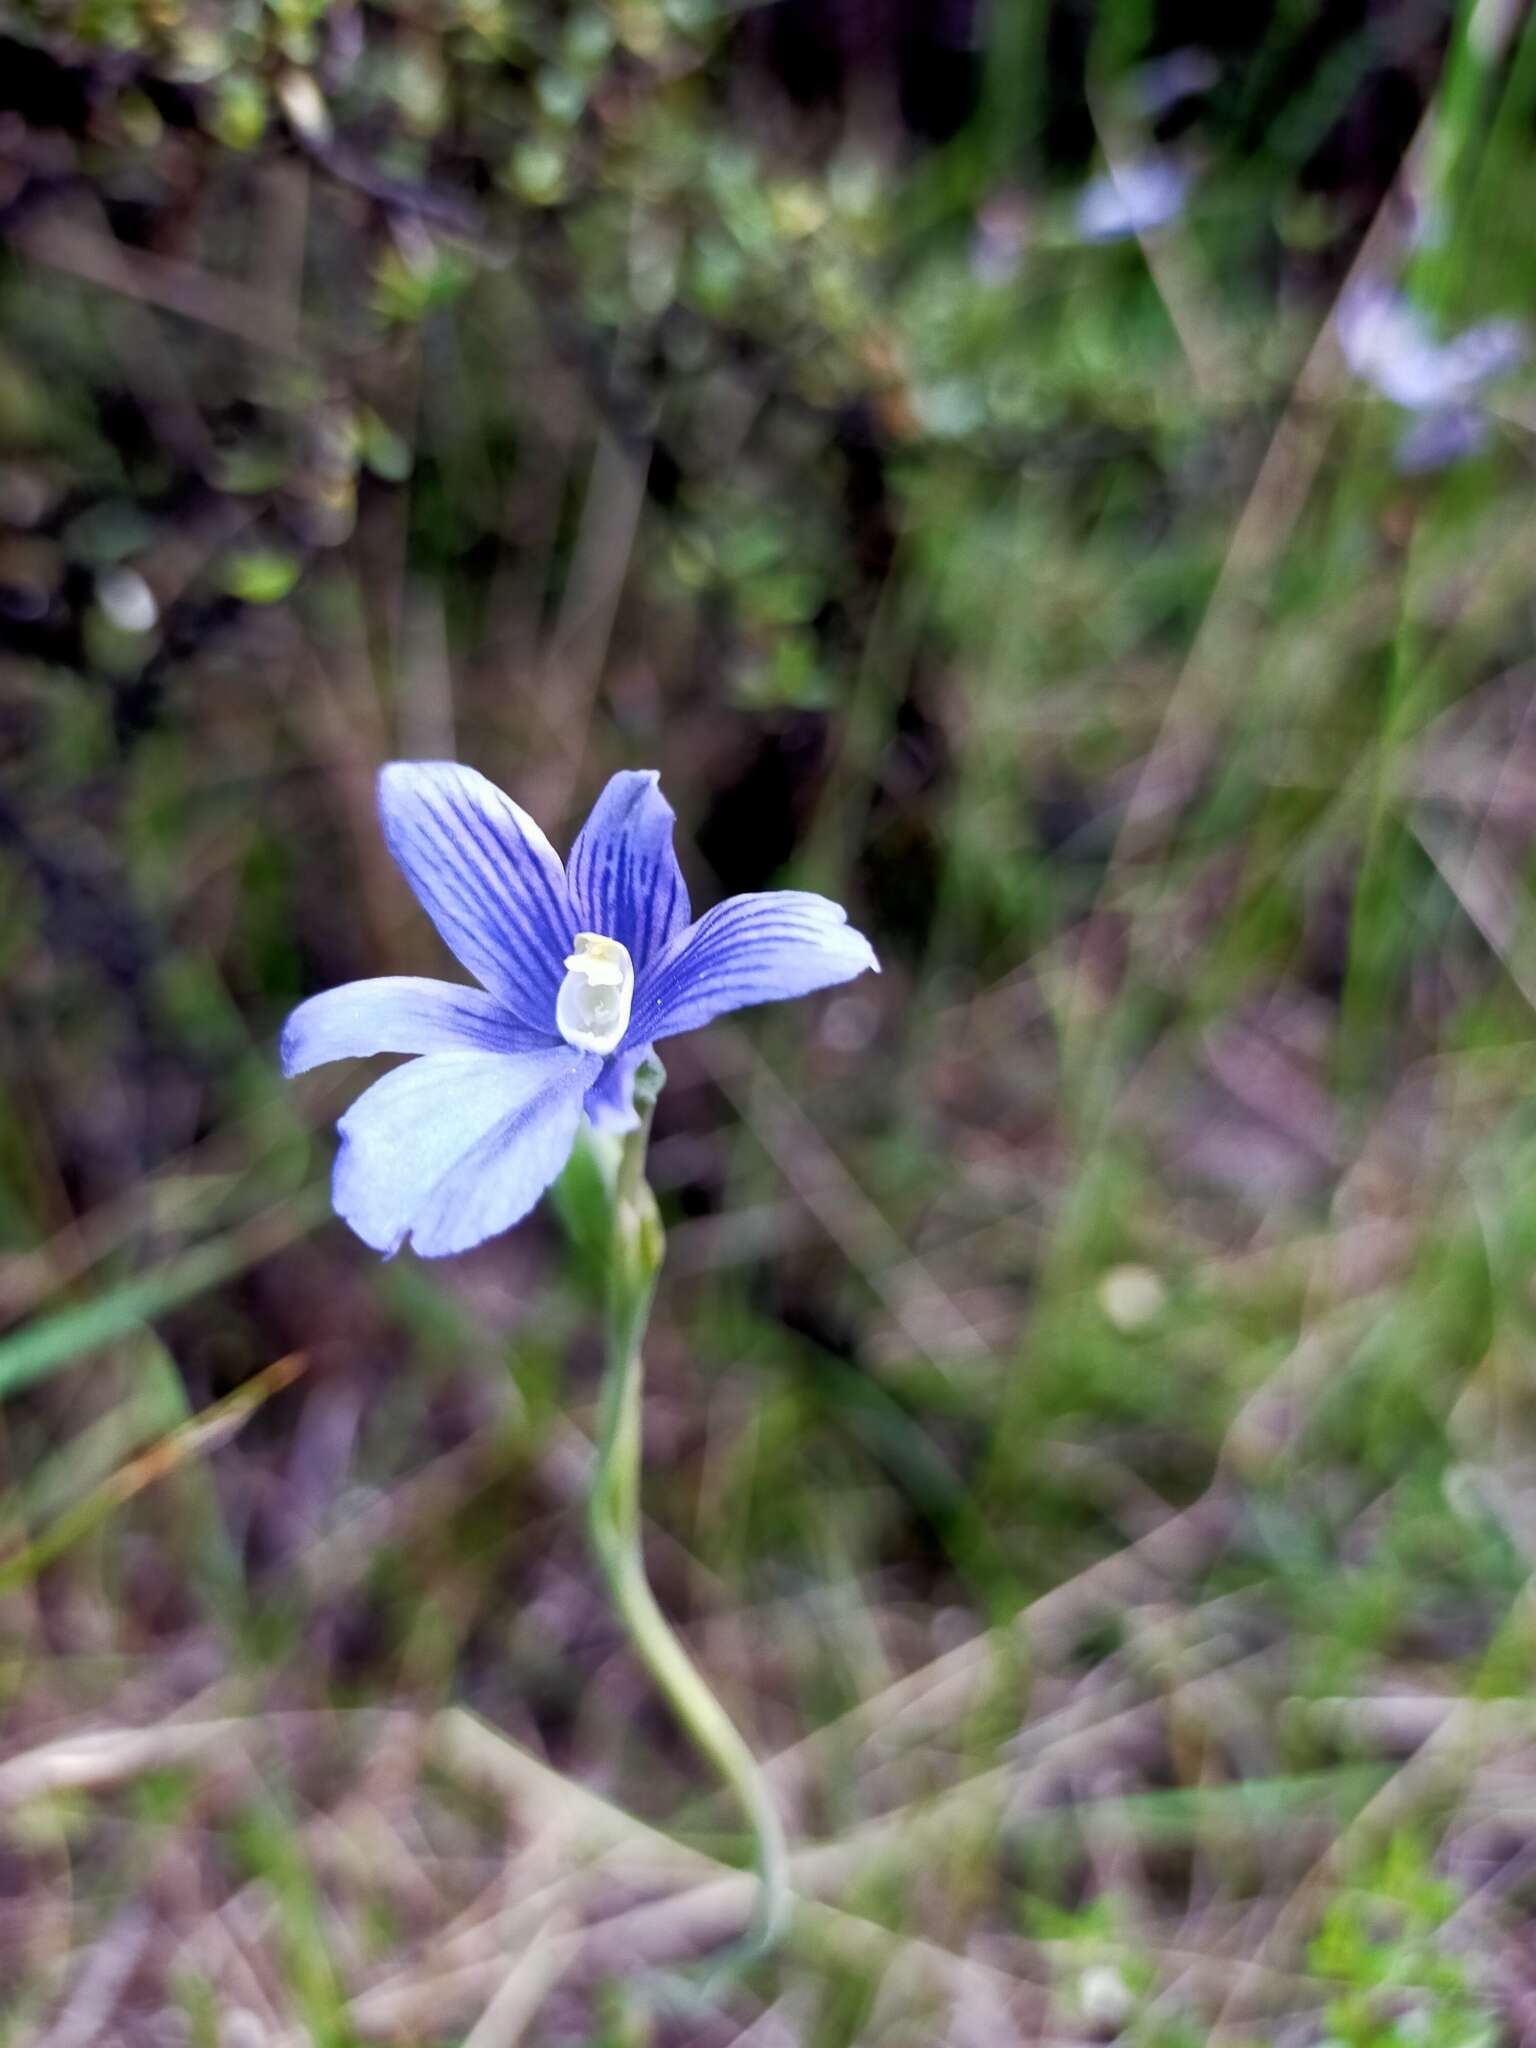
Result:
[{"x": 582, "y": 968}]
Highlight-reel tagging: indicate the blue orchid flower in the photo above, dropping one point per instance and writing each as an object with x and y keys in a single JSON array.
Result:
[{"x": 582, "y": 968}]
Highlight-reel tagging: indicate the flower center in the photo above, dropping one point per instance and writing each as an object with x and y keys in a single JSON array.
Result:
[{"x": 592, "y": 1008}]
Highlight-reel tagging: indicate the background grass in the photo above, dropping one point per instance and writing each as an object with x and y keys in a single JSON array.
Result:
[{"x": 1091, "y": 1433}]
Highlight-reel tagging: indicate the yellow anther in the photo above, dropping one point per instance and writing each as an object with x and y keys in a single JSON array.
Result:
[{"x": 604, "y": 962}]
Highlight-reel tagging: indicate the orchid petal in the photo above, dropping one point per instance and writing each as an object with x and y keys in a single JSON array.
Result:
[
  {"x": 488, "y": 879},
  {"x": 1490, "y": 349},
  {"x": 1388, "y": 344},
  {"x": 610, "y": 1101},
  {"x": 749, "y": 949},
  {"x": 457, "y": 1147},
  {"x": 624, "y": 879},
  {"x": 398, "y": 1013},
  {"x": 1447, "y": 435}
]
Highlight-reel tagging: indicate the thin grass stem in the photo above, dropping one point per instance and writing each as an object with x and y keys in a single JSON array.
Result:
[{"x": 637, "y": 1250}]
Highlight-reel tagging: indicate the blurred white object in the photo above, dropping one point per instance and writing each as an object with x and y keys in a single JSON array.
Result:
[
  {"x": 1131, "y": 199},
  {"x": 127, "y": 600},
  {"x": 1104, "y": 1998},
  {"x": 1132, "y": 1296}
]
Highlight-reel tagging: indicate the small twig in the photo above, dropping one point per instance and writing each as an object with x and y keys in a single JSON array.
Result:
[
  {"x": 162, "y": 282},
  {"x": 109, "y": 1964},
  {"x": 573, "y": 661},
  {"x": 929, "y": 1318}
]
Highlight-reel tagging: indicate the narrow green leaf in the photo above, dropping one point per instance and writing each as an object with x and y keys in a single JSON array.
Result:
[
  {"x": 261, "y": 575},
  {"x": 52, "y": 1343}
]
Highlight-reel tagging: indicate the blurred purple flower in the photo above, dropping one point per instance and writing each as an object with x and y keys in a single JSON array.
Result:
[
  {"x": 1440, "y": 438},
  {"x": 1388, "y": 344},
  {"x": 582, "y": 968},
  {"x": 1132, "y": 199},
  {"x": 1001, "y": 237},
  {"x": 1165, "y": 82}
]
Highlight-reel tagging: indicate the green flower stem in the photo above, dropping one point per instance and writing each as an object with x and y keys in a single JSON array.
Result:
[{"x": 637, "y": 1249}]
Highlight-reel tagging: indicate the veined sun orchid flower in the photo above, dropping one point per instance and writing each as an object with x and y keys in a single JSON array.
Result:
[{"x": 582, "y": 968}]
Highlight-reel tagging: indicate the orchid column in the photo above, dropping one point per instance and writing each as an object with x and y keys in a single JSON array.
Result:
[{"x": 581, "y": 970}]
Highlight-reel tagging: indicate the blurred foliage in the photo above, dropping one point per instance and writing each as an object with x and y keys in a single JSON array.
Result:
[{"x": 1386, "y": 1943}]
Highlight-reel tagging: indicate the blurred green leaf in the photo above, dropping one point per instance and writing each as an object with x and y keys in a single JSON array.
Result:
[
  {"x": 384, "y": 451},
  {"x": 583, "y": 1199},
  {"x": 261, "y": 575}
]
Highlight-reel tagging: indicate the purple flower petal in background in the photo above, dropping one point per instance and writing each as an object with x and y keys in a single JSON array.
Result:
[
  {"x": 1162, "y": 83},
  {"x": 580, "y": 973},
  {"x": 1437, "y": 440},
  {"x": 1388, "y": 345},
  {"x": 1490, "y": 349},
  {"x": 1002, "y": 232},
  {"x": 1131, "y": 198}
]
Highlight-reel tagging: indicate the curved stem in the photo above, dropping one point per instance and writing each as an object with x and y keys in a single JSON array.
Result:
[{"x": 614, "y": 1519}]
